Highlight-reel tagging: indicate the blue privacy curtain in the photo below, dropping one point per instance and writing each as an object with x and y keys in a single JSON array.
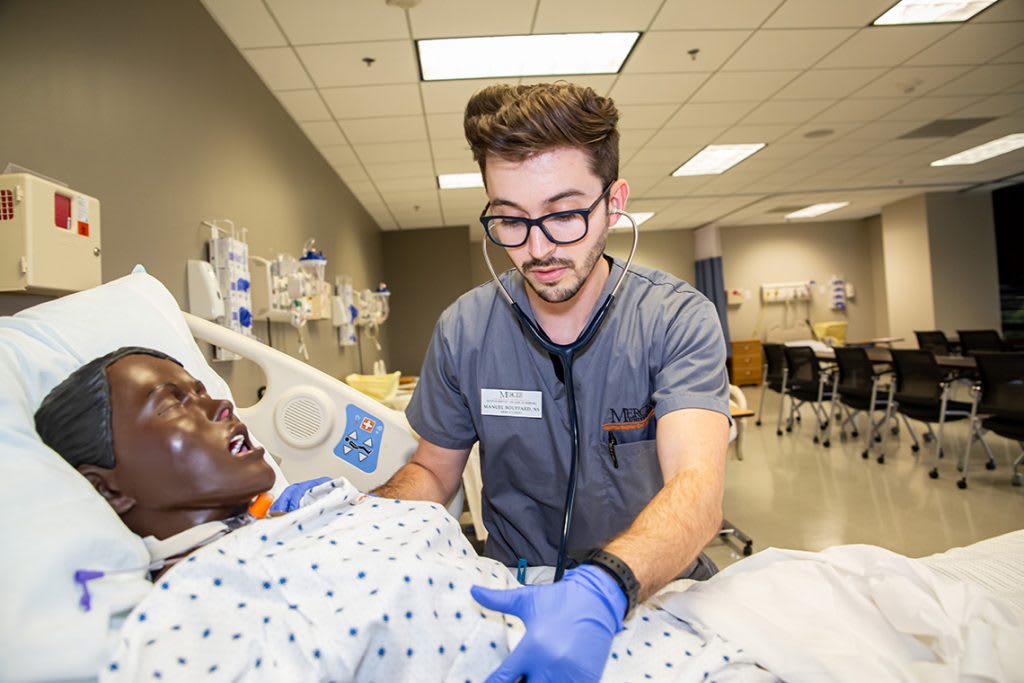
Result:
[{"x": 710, "y": 281}]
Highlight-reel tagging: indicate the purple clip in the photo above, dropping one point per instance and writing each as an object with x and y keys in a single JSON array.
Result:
[{"x": 82, "y": 578}]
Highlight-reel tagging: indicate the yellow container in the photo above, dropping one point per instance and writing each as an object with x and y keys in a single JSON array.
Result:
[{"x": 380, "y": 387}]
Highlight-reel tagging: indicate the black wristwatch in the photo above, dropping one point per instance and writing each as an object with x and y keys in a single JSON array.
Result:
[{"x": 622, "y": 574}]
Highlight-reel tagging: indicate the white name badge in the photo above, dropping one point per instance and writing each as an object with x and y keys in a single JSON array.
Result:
[{"x": 511, "y": 403}]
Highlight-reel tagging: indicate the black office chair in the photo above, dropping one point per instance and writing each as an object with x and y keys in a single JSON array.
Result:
[
  {"x": 922, "y": 394},
  {"x": 1000, "y": 400},
  {"x": 772, "y": 378},
  {"x": 806, "y": 383},
  {"x": 858, "y": 387},
  {"x": 934, "y": 341},
  {"x": 972, "y": 341}
]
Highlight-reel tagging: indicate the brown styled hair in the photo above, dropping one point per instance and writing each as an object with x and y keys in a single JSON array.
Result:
[{"x": 517, "y": 121}]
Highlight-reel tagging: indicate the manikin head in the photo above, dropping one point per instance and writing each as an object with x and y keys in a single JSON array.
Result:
[
  {"x": 546, "y": 148},
  {"x": 144, "y": 432}
]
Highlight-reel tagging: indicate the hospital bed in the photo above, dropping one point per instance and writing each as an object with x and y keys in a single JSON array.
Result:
[{"x": 56, "y": 524}]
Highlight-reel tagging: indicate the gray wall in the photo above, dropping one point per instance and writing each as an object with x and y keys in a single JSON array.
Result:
[
  {"x": 753, "y": 255},
  {"x": 148, "y": 107},
  {"x": 426, "y": 270}
]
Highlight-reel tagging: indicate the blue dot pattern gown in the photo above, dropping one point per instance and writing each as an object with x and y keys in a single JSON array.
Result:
[{"x": 357, "y": 588}]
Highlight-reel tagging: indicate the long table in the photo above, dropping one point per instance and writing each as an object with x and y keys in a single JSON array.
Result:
[{"x": 882, "y": 355}]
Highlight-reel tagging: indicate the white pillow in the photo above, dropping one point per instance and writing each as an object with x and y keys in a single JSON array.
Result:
[{"x": 54, "y": 522}]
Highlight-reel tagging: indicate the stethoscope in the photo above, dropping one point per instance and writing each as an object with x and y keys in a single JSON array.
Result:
[{"x": 566, "y": 354}]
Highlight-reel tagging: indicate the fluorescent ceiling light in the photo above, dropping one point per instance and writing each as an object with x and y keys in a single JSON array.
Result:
[
  {"x": 715, "y": 159},
  {"x": 561, "y": 54},
  {"x": 817, "y": 209},
  {"x": 982, "y": 152},
  {"x": 931, "y": 11},
  {"x": 639, "y": 216},
  {"x": 458, "y": 181}
]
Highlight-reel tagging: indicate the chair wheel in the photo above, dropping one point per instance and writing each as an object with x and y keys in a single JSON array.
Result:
[
  {"x": 815, "y": 439},
  {"x": 959, "y": 468},
  {"x": 881, "y": 459},
  {"x": 915, "y": 448},
  {"x": 961, "y": 484},
  {"x": 864, "y": 455},
  {"x": 895, "y": 431},
  {"x": 878, "y": 438},
  {"x": 789, "y": 429},
  {"x": 757, "y": 422},
  {"x": 990, "y": 465},
  {"x": 941, "y": 455},
  {"x": 778, "y": 432},
  {"x": 1017, "y": 479},
  {"x": 748, "y": 549},
  {"x": 934, "y": 473},
  {"x": 826, "y": 444},
  {"x": 928, "y": 437},
  {"x": 855, "y": 433},
  {"x": 798, "y": 418}
]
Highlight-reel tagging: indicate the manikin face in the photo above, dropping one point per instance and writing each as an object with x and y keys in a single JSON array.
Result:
[
  {"x": 177, "y": 449},
  {"x": 555, "y": 180}
]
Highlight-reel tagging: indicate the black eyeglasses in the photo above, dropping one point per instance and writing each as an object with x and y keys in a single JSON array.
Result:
[{"x": 562, "y": 227}]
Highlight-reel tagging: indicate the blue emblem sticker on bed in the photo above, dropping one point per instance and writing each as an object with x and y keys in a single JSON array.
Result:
[{"x": 360, "y": 445}]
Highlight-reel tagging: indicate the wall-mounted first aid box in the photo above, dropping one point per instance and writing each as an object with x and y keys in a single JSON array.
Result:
[{"x": 49, "y": 237}]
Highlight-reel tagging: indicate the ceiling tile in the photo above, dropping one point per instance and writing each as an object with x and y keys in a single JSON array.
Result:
[
  {"x": 633, "y": 139},
  {"x": 973, "y": 44},
  {"x": 444, "y": 97},
  {"x": 1015, "y": 56},
  {"x": 996, "y": 105},
  {"x": 720, "y": 14},
  {"x": 600, "y": 83},
  {"x": 304, "y": 105},
  {"x": 279, "y": 68},
  {"x": 881, "y": 130},
  {"x": 389, "y": 186},
  {"x": 818, "y": 14},
  {"x": 246, "y": 22},
  {"x": 581, "y": 16},
  {"x": 393, "y": 152},
  {"x": 742, "y": 134},
  {"x": 466, "y": 165},
  {"x": 682, "y": 137},
  {"x": 323, "y": 133},
  {"x": 1006, "y": 10},
  {"x": 668, "y": 51},
  {"x": 373, "y": 100},
  {"x": 991, "y": 79},
  {"x": 666, "y": 158},
  {"x": 422, "y": 171},
  {"x": 445, "y": 126},
  {"x": 342, "y": 64},
  {"x": 678, "y": 187},
  {"x": 786, "y": 111},
  {"x": 454, "y": 149},
  {"x": 786, "y": 49},
  {"x": 709, "y": 114},
  {"x": 740, "y": 86},
  {"x": 911, "y": 81},
  {"x": 833, "y": 83},
  {"x": 884, "y": 45},
  {"x": 384, "y": 129},
  {"x": 655, "y": 88},
  {"x": 339, "y": 155},
  {"x": 927, "y": 109},
  {"x": 352, "y": 174},
  {"x": 644, "y": 115},
  {"x": 330, "y": 21},
  {"x": 453, "y": 18},
  {"x": 858, "y": 110}
]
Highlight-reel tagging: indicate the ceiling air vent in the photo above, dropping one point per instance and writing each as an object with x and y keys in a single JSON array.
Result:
[{"x": 944, "y": 128}]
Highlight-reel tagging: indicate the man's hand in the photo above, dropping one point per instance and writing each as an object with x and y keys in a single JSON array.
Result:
[
  {"x": 569, "y": 626},
  {"x": 291, "y": 497}
]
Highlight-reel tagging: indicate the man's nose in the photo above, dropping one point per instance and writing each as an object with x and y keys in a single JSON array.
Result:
[{"x": 538, "y": 244}]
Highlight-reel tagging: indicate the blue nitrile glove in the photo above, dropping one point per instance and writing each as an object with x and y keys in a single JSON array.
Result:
[
  {"x": 292, "y": 495},
  {"x": 569, "y": 626}
]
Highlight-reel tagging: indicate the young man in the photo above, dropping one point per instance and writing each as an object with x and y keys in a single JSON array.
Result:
[{"x": 651, "y": 388}]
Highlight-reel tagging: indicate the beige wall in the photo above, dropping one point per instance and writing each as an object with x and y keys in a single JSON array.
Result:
[
  {"x": 426, "y": 271},
  {"x": 908, "y": 268},
  {"x": 752, "y": 255},
  {"x": 148, "y": 107},
  {"x": 876, "y": 250},
  {"x": 965, "y": 277}
]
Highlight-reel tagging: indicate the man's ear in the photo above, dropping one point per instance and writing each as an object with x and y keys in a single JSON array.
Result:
[{"x": 104, "y": 480}]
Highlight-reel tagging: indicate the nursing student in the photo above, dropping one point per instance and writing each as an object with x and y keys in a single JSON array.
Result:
[{"x": 651, "y": 389}]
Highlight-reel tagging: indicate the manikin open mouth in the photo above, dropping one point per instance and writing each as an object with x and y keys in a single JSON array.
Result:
[{"x": 239, "y": 445}]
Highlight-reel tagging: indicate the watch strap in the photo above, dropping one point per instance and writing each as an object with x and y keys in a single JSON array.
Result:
[{"x": 622, "y": 574}]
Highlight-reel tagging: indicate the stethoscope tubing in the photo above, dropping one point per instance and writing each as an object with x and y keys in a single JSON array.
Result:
[{"x": 566, "y": 354}]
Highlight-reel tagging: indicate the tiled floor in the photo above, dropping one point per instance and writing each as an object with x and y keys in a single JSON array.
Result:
[{"x": 790, "y": 493}]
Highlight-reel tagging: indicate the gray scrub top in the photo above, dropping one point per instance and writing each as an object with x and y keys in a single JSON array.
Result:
[{"x": 660, "y": 349}]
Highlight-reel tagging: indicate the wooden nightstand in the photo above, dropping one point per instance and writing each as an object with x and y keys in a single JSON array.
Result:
[{"x": 747, "y": 364}]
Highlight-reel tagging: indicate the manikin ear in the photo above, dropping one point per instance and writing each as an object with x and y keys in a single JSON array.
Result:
[{"x": 104, "y": 480}]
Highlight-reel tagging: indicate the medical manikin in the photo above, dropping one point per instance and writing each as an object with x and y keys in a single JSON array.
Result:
[{"x": 347, "y": 586}]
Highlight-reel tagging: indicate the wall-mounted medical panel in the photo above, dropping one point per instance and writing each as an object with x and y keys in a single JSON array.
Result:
[{"x": 49, "y": 237}]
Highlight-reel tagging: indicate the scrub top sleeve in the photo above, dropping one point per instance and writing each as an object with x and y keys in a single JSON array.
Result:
[
  {"x": 692, "y": 373},
  {"x": 438, "y": 411}
]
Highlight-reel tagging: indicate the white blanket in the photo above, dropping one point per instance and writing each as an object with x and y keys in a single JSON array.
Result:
[
  {"x": 859, "y": 613},
  {"x": 357, "y": 588}
]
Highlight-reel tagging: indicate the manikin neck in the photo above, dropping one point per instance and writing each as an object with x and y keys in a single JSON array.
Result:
[
  {"x": 564, "y": 321},
  {"x": 162, "y": 524}
]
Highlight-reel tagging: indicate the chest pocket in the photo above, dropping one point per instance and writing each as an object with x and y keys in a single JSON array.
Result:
[{"x": 637, "y": 478}]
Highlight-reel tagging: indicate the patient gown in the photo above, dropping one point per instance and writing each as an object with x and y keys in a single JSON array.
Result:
[{"x": 358, "y": 588}]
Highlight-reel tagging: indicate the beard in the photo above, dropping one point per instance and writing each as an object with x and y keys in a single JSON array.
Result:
[{"x": 574, "y": 278}]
